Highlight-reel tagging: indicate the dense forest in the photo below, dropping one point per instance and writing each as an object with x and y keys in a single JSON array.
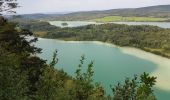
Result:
[
  {"x": 24, "y": 76},
  {"x": 149, "y": 38}
]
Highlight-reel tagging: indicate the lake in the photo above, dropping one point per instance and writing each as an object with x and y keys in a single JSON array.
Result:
[
  {"x": 71, "y": 23},
  {"x": 83, "y": 23},
  {"x": 112, "y": 63}
]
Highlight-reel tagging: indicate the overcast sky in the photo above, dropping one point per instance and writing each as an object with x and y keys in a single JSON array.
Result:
[{"x": 43, "y": 6}]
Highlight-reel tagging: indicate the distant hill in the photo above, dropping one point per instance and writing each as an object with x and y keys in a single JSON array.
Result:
[
  {"x": 28, "y": 17},
  {"x": 152, "y": 11},
  {"x": 162, "y": 11}
]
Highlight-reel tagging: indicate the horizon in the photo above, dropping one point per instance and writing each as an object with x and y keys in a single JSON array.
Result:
[
  {"x": 69, "y": 6},
  {"x": 67, "y": 12}
]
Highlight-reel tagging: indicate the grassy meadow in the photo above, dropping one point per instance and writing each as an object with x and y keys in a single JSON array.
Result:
[{"x": 129, "y": 19}]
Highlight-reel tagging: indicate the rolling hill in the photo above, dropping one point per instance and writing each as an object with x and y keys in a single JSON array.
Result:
[{"x": 160, "y": 11}]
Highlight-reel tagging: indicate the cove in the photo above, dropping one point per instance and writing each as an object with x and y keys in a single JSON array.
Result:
[{"x": 112, "y": 63}]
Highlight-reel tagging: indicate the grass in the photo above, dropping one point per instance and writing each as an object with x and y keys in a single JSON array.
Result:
[
  {"x": 40, "y": 33},
  {"x": 158, "y": 51},
  {"x": 128, "y": 19}
]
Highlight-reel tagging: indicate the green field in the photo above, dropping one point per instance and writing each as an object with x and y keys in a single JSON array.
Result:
[{"x": 129, "y": 19}]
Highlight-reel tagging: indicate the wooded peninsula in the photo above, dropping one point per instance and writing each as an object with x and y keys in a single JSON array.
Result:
[{"x": 149, "y": 38}]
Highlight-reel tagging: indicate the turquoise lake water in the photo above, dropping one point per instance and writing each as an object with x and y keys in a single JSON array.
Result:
[{"x": 111, "y": 64}]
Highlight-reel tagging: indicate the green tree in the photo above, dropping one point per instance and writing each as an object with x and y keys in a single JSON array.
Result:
[
  {"x": 8, "y": 6},
  {"x": 83, "y": 87},
  {"x": 48, "y": 84},
  {"x": 144, "y": 91},
  {"x": 13, "y": 81},
  {"x": 135, "y": 89},
  {"x": 16, "y": 42}
]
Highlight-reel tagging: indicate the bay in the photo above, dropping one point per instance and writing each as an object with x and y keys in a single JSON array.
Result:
[{"x": 112, "y": 63}]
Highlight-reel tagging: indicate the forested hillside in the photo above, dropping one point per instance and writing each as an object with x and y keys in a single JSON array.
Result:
[
  {"x": 149, "y": 38},
  {"x": 161, "y": 11},
  {"x": 152, "y": 11},
  {"x": 24, "y": 76}
]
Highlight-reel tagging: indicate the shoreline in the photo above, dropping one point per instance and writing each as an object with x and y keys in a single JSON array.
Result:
[
  {"x": 107, "y": 43},
  {"x": 90, "y": 22},
  {"x": 163, "y": 64}
]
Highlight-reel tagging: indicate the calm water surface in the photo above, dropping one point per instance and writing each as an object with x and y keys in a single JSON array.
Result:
[
  {"x": 112, "y": 64},
  {"x": 71, "y": 23},
  {"x": 83, "y": 23}
]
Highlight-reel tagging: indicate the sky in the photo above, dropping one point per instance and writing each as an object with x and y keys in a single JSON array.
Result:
[{"x": 50, "y": 6}]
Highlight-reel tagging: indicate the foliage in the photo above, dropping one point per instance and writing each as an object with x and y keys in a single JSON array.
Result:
[
  {"x": 24, "y": 76},
  {"x": 135, "y": 89},
  {"x": 129, "y": 19},
  {"x": 13, "y": 86},
  {"x": 8, "y": 6},
  {"x": 83, "y": 86},
  {"x": 18, "y": 50},
  {"x": 64, "y": 24},
  {"x": 149, "y": 38}
]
